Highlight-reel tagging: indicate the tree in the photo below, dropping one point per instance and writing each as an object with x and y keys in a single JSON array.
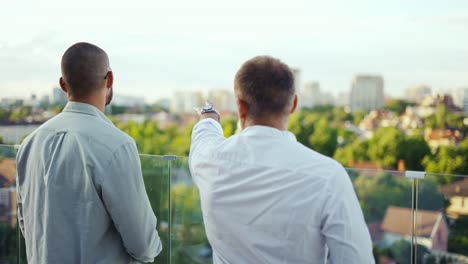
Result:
[
  {"x": 383, "y": 146},
  {"x": 4, "y": 115},
  {"x": 377, "y": 192},
  {"x": 401, "y": 251},
  {"x": 358, "y": 116},
  {"x": 413, "y": 150},
  {"x": 440, "y": 116},
  {"x": 324, "y": 138},
  {"x": 458, "y": 238},
  {"x": 447, "y": 160},
  {"x": 301, "y": 124},
  {"x": 355, "y": 152},
  {"x": 397, "y": 105},
  {"x": 229, "y": 125},
  {"x": 118, "y": 109},
  {"x": 8, "y": 243},
  {"x": 429, "y": 197},
  {"x": 340, "y": 115}
]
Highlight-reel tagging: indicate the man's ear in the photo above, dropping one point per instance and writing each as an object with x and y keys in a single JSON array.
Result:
[
  {"x": 294, "y": 106},
  {"x": 110, "y": 79},
  {"x": 63, "y": 85},
  {"x": 242, "y": 107}
]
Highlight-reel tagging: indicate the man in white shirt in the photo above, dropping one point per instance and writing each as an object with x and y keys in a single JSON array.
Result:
[{"x": 265, "y": 197}]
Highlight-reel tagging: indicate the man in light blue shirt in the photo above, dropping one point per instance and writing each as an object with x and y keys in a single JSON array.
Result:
[{"x": 81, "y": 195}]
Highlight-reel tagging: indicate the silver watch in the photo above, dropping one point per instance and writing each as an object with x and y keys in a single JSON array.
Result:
[{"x": 207, "y": 109}]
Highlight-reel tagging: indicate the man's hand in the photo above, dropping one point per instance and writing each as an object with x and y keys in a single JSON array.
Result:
[
  {"x": 208, "y": 111},
  {"x": 214, "y": 115}
]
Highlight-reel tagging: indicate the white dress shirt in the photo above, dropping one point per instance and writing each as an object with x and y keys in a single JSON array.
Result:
[
  {"x": 81, "y": 195},
  {"x": 268, "y": 199}
]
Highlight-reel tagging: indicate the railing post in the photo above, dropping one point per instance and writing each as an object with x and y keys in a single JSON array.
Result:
[
  {"x": 169, "y": 159},
  {"x": 18, "y": 231},
  {"x": 414, "y": 176},
  {"x": 18, "y": 246}
]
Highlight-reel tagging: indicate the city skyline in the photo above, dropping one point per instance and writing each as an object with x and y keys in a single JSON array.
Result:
[{"x": 158, "y": 48}]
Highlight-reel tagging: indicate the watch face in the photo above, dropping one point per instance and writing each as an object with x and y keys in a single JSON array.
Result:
[{"x": 207, "y": 108}]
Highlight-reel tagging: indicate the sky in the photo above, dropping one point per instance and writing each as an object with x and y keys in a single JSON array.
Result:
[{"x": 159, "y": 47}]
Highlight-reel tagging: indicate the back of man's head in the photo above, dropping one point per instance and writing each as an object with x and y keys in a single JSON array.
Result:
[
  {"x": 84, "y": 69},
  {"x": 266, "y": 85}
]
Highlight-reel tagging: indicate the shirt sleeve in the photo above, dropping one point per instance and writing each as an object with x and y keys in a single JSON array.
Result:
[
  {"x": 206, "y": 136},
  {"x": 343, "y": 226},
  {"x": 19, "y": 204},
  {"x": 124, "y": 195}
]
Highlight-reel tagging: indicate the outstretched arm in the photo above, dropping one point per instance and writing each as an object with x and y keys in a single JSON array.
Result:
[{"x": 207, "y": 134}]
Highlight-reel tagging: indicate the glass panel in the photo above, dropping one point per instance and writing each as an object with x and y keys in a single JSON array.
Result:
[
  {"x": 385, "y": 199},
  {"x": 8, "y": 222},
  {"x": 188, "y": 239},
  {"x": 156, "y": 176},
  {"x": 441, "y": 219}
]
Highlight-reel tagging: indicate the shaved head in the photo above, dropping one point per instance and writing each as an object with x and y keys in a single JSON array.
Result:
[{"x": 84, "y": 69}]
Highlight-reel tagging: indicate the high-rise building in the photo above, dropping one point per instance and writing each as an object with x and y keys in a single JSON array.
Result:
[
  {"x": 297, "y": 78},
  {"x": 367, "y": 92},
  {"x": 45, "y": 100},
  {"x": 310, "y": 95},
  {"x": 224, "y": 100},
  {"x": 342, "y": 99},
  {"x": 416, "y": 94},
  {"x": 59, "y": 96},
  {"x": 32, "y": 101},
  {"x": 465, "y": 101},
  {"x": 459, "y": 96},
  {"x": 186, "y": 101},
  {"x": 128, "y": 100}
]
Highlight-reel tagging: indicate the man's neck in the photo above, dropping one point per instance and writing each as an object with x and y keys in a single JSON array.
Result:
[
  {"x": 280, "y": 123},
  {"x": 91, "y": 101}
]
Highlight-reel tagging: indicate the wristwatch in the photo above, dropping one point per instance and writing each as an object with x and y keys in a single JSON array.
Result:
[{"x": 207, "y": 109}]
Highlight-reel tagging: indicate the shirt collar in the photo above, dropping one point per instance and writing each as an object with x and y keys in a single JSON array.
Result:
[
  {"x": 87, "y": 109},
  {"x": 268, "y": 131}
]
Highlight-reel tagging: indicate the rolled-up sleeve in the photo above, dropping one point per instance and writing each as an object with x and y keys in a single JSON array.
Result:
[
  {"x": 124, "y": 195},
  {"x": 343, "y": 225}
]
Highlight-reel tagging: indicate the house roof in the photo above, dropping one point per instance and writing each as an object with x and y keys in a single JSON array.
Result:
[
  {"x": 375, "y": 230},
  {"x": 458, "y": 188},
  {"x": 398, "y": 220},
  {"x": 439, "y": 134},
  {"x": 7, "y": 171}
]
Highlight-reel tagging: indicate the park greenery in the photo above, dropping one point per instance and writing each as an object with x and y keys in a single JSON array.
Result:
[{"x": 322, "y": 129}]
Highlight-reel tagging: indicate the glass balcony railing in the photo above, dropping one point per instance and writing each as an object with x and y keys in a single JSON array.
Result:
[
  {"x": 413, "y": 217},
  {"x": 9, "y": 233},
  {"x": 441, "y": 219}
]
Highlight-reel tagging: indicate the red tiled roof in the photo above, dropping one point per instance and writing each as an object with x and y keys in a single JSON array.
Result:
[
  {"x": 8, "y": 171},
  {"x": 443, "y": 134},
  {"x": 458, "y": 188},
  {"x": 398, "y": 220}
]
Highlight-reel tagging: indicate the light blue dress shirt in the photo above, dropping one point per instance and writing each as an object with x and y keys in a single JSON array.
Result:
[{"x": 81, "y": 195}]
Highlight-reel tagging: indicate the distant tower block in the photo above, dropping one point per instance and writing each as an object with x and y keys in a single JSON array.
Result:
[{"x": 367, "y": 92}]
